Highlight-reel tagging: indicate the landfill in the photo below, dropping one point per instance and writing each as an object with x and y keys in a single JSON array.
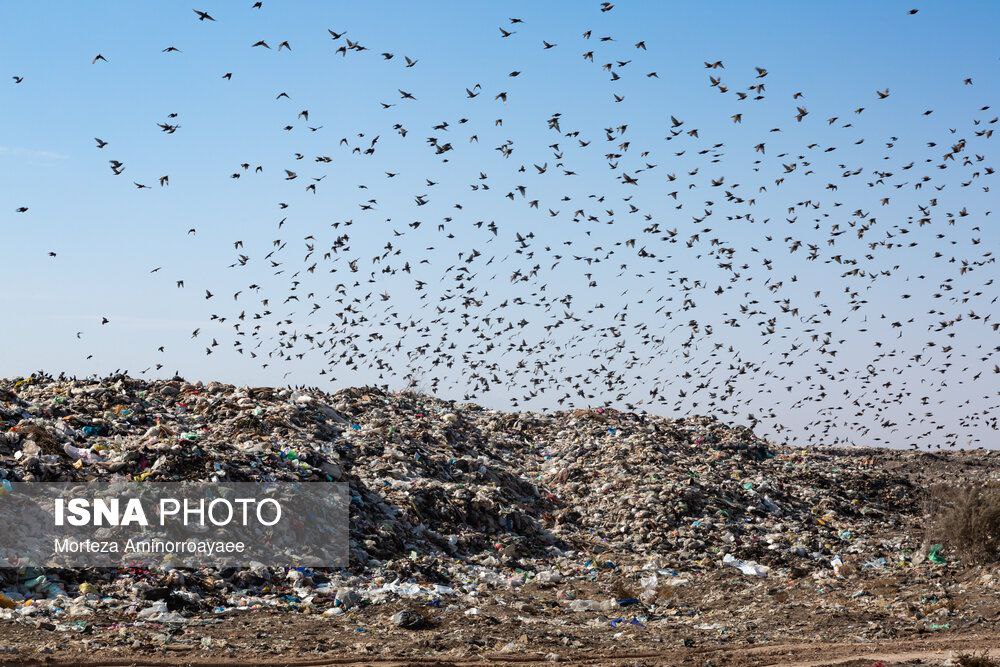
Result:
[{"x": 575, "y": 530}]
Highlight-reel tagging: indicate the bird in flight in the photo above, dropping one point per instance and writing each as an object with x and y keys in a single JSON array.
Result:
[{"x": 714, "y": 257}]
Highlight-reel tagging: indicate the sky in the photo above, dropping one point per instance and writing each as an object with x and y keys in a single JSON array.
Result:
[{"x": 109, "y": 235}]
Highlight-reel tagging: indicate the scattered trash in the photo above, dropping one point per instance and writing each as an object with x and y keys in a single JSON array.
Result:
[
  {"x": 408, "y": 619},
  {"x": 749, "y": 568},
  {"x": 454, "y": 508},
  {"x": 934, "y": 554},
  {"x": 879, "y": 563}
]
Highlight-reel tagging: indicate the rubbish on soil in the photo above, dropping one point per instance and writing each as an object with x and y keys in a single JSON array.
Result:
[
  {"x": 749, "y": 568},
  {"x": 457, "y": 507}
]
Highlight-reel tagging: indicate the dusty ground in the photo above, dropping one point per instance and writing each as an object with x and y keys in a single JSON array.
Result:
[
  {"x": 946, "y": 650},
  {"x": 924, "y": 615}
]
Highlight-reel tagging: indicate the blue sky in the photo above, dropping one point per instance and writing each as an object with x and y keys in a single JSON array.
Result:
[{"x": 108, "y": 235}]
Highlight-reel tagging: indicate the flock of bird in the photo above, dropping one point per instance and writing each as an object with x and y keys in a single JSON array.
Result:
[{"x": 820, "y": 299}]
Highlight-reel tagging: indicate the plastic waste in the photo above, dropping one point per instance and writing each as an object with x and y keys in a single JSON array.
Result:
[
  {"x": 454, "y": 505},
  {"x": 583, "y": 605},
  {"x": 934, "y": 554},
  {"x": 408, "y": 619},
  {"x": 749, "y": 568},
  {"x": 879, "y": 563}
]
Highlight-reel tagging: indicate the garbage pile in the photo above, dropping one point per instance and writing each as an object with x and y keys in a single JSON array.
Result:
[
  {"x": 448, "y": 497},
  {"x": 423, "y": 477},
  {"x": 694, "y": 489}
]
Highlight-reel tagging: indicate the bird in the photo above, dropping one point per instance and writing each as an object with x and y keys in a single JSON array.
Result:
[{"x": 826, "y": 283}]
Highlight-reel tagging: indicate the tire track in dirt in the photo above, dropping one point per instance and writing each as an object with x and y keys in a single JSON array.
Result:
[{"x": 821, "y": 654}]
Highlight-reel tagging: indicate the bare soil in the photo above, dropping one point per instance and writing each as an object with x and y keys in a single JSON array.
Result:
[{"x": 920, "y": 616}]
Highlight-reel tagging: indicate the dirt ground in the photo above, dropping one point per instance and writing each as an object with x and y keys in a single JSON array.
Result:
[
  {"x": 921, "y": 616},
  {"x": 943, "y": 650}
]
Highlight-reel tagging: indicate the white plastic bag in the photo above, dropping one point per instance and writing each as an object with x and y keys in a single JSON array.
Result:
[{"x": 747, "y": 567}]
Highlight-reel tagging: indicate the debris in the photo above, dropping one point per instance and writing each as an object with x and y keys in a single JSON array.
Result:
[
  {"x": 455, "y": 506},
  {"x": 749, "y": 568},
  {"x": 934, "y": 554},
  {"x": 408, "y": 619}
]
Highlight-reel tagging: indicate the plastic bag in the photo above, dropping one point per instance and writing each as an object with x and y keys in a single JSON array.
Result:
[{"x": 748, "y": 567}]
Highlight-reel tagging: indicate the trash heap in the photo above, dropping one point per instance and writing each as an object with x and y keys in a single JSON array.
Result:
[
  {"x": 423, "y": 476},
  {"x": 448, "y": 495},
  {"x": 691, "y": 490}
]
